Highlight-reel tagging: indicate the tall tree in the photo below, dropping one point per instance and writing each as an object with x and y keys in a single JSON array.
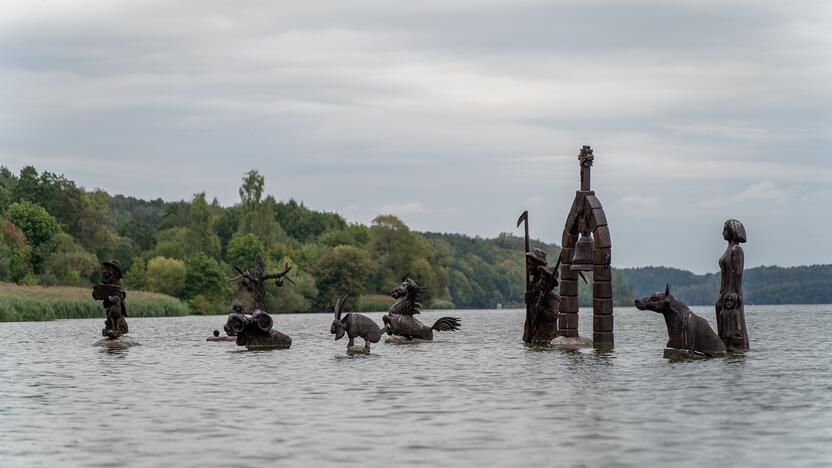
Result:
[
  {"x": 38, "y": 225},
  {"x": 201, "y": 237},
  {"x": 344, "y": 269},
  {"x": 258, "y": 214},
  {"x": 396, "y": 248}
]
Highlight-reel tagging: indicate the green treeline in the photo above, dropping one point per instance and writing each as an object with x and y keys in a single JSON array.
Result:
[
  {"x": 53, "y": 232},
  {"x": 761, "y": 285}
]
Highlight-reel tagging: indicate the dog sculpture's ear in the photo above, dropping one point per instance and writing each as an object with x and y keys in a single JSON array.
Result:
[{"x": 667, "y": 293}]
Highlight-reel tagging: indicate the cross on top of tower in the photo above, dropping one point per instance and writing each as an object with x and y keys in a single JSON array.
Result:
[{"x": 585, "y": 159}]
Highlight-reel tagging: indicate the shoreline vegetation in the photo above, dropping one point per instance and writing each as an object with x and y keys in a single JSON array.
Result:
[
  {"x": 20, "y": 303},
  {"x": 55, "y": 234},
  {"x": 38, "y": 303}
]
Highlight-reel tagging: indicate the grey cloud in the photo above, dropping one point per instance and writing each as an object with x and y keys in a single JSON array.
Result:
[{"x": 478, "y": 107}]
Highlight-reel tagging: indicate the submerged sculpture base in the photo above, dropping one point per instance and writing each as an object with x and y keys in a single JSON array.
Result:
[
  {"x": 397, "y": 339},
  {"x": 575, "y": 342},
  {"x": 274, "y": 340},
  {"x": 682, "y": 354},
  {"x": 353, "y": 350},
  {"x": 221, "y": 338},
  {"x": 123, "y": 341},
  {"x": 269, "y": 346}
]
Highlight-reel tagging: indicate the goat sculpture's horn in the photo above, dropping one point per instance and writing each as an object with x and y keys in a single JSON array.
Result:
[{"x": 339, "y": 306}]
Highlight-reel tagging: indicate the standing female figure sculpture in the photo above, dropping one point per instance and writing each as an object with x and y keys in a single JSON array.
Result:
[{"x": 730, "y": 315}]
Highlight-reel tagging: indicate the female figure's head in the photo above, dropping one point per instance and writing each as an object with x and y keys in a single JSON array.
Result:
[{"x": 734, "y": 232}]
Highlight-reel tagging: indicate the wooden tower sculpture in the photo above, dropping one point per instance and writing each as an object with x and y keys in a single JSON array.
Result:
[{"x": 586, "y": 247}]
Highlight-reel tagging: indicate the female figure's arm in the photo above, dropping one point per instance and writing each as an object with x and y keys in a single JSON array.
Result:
[{"x": 737, "y": 265}]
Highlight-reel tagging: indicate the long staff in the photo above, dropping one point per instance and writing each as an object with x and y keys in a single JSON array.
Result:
[{"x": 524, "y": 218}]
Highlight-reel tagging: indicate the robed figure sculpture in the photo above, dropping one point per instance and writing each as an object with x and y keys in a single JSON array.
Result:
[{"x": 730, "y": 315}]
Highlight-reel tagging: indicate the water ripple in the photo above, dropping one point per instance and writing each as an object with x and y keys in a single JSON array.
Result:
[{"x": 474, "y": 397}]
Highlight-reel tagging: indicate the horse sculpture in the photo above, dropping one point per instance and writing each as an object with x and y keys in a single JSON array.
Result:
[
  {"x": 400, "y": 319},
  {"x": 686, "y": 331}
]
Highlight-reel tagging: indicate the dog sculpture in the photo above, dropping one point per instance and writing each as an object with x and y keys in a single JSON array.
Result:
[
  {"x": 354, "y": 325},
  {"x": 686, "y": 330},
  {"x": 400, "y": 319}
]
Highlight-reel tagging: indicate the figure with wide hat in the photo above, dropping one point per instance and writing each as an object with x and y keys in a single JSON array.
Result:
[{"x": 541, "y": 325}]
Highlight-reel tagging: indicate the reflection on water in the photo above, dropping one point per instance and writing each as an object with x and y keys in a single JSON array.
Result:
[{"x": 473, "y": 397}]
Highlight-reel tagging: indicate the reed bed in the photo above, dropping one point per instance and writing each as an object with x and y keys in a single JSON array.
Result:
[
  {"x": 38, "y": 303},
  {"x": 382, "y": 303}
]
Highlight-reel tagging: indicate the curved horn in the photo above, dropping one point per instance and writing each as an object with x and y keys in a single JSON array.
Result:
[
  {"x": 339, "y": 306},
  {"x": 667, "y": 290}
]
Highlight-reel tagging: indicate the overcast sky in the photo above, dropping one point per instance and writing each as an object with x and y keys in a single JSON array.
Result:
[{"x": 455, "y": 115}]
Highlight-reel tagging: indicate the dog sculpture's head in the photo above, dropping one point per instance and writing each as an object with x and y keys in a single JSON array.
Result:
[{"x": 657, "y": 302}]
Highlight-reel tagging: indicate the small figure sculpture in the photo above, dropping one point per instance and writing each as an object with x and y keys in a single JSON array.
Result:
[
  {"x": 686, "y": 331},
  {"x": 112, "y": 294},
  {"x": 255, "y": 331},
  {"x": 400, "y": 319},
  {"x": 541, "y": 302},
  {"x": 730, "y": 313},
  {"x": 354, "y": 325}
]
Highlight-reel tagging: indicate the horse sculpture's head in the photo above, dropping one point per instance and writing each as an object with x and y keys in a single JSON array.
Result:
[
  {"x": 408, "y": 289},
  {"x": 660, "y": 302},
  {"x": 403, "y": 289},
  {"x": 407, "y": 295}
]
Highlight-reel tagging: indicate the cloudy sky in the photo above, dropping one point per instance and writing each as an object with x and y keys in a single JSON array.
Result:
[{"x": 455, "y": 115}]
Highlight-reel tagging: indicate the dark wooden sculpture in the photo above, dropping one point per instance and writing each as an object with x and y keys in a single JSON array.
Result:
[
  {"x": 113, "y": 296},
  {"x": 586, "y": 247},
  {"x": 255, "y": 331},
  {"x": 730, "y": 313},
  {"x": 686, "y": 331},
  {"x": 541, "y": 325},
  {"x": 400, "y": 319},
  {"x": 354, "y": 325}
]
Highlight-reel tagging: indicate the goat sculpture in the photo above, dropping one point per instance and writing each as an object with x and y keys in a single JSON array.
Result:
[
  {"x": 400, "y": 319},
  {"x": 354, "y": 325}
]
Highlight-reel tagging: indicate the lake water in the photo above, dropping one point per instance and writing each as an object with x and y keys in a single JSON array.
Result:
[{"x": 476, "y": 397}]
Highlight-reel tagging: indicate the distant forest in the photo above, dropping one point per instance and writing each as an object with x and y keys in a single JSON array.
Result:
[
  {"x": 53, "y": 232},
  {"x": 761, "y": 285}
]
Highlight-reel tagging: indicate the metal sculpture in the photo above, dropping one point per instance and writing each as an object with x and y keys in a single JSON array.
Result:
[
  {"x": 586, "y": 246},
  {"x": 255, "y": 331},
  {"x": 113, "y": 296},
  {"x": 730, "y": 313},
  {"x": 400, "y": 318},
  {"x": 541, "y": 325},
  {"x": 686, "y": 331},
  {"x": 354, "y": 325}
]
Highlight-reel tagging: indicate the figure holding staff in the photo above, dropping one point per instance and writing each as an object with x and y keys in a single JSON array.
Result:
[{"x": 541, "y": 325}]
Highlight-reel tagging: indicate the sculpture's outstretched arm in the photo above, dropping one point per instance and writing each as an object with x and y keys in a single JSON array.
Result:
[{"x": 278, "y": 275}]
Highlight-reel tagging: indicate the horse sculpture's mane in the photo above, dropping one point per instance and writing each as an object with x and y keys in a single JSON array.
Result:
[{"x": 410, "y": 303}]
